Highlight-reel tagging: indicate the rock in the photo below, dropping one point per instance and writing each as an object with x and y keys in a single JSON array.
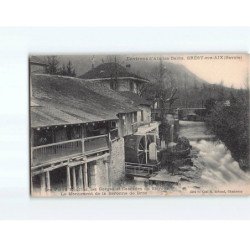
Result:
[
  {"x": 193, "y": 168},
  {"x": 184, "y": 168},
  {"x": 178, "y": 163},
  {"x": 184, "y": 178},
  {"x": 197, "y": 164},
  {"x": 191, "y": 174}
]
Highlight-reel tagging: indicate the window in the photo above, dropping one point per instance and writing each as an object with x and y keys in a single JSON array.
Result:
[
  {"x": 142, "y": 117},
  {"x": 135, "y": 116},
  {"x": 113, "y": 125}
]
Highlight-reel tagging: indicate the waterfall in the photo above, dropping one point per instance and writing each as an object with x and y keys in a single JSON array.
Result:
[{"x": 219, "y": 166}]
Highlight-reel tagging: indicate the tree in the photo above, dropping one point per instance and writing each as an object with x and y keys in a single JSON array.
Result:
[
  {"x": 230, "y": 123},
  {"x": 63, "y": 70},
  {"x": 68, "y": 70},
  {"x": 52, "y": 65}
]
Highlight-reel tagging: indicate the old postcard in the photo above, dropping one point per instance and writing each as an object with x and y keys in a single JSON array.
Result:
[{"x": 139, "y": 125}]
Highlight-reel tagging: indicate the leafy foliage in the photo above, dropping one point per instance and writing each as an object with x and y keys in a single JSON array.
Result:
[{"x": 229, "y": 120}]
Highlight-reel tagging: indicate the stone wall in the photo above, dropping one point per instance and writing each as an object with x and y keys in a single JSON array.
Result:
[
  {"x": 117, "y": 162},
  {"x": 146, "y": 114},
  {"x": 110, "y": 171},
  {"x": 101, "y": 173},
  {"x": 123, "y": 85}
]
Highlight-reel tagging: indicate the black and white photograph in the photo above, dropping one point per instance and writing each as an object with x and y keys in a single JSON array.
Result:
[{"x": 139, "y": 124}]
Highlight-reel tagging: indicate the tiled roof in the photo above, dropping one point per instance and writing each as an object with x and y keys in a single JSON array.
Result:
[
  {"x": 110, "y": 70},
  {"x": 68, "y": 100}
]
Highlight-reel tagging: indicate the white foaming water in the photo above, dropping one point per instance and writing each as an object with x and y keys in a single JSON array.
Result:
[{"x": 219, "y": 166}]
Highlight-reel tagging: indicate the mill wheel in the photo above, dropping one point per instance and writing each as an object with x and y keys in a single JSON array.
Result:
[
  {"x": 135, "y": 149},
  {"x": 142, "y": 150}
]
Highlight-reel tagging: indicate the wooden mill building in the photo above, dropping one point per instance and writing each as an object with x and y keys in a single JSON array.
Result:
[
  {"x": 83, "y": 131},
  {"x": 76, "y": 140}
]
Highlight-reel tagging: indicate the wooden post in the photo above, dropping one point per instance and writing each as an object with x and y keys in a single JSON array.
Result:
[
  {"x": 42, "y": 181},
  {"x": 68, "y": 179},
  {"x": 48, "y": 180},
  {"x": 83, "y": 148},
  {"x": 85, "y": 176},
  {"x": 74, "y": 177},
  {"x": 146, "y": 149},
  {"x": 109, "y": 140},
  {"x": 80, "y": 178},
  {"x": 83, "y": 135}
]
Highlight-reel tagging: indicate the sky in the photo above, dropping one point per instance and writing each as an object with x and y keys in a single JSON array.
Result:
[{"x": 231, "y": 69}]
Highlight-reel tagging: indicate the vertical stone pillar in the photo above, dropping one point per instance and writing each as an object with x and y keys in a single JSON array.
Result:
[
  {"x": 93, "y": 176},
  {"x": 85, "y": 176},
  {"x": 68, "y": 179},
  {"x": 152, "y": 151},
  {"x": 146, "y": 149},
  {"x": 80, "y": 178},
  {"x": 74, "y": 177},
  {"x": 48, "y": 181}
]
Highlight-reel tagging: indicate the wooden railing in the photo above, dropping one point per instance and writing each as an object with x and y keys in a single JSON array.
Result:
[
  {"x": 49, "y": 152},
  {"x": 53, "y": 151},
  {"x": 95, "y": 143}
]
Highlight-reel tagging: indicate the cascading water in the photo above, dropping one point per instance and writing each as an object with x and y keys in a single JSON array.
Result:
[{"x": 218, "y": 167}]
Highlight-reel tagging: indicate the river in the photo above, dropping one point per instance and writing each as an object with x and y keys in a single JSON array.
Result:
[{"x": 214, "y": 161}]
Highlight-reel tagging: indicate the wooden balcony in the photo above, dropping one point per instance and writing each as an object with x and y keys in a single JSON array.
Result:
[{"x": 87, "y": 146}]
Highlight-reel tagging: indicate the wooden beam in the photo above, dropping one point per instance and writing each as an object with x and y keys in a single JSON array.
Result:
[
  {"x": 68, "y": 179},
  {"x": 74, "y": 177},
  {"x": 80, "y": 177},
  {"x": 48, "y": 180},
  {"x": 65, "y": 163},
  {"x": 85, "y": 176}
]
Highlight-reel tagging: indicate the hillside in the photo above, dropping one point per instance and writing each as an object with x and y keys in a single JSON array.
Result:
[
  {"x": 178, "y": 74},
  {"x": 192, "y": 91}
]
